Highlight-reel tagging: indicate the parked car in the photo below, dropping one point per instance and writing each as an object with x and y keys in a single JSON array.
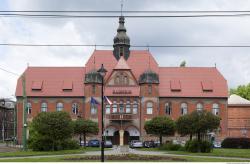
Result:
[
  {"x": 108, "y": 144},
  {"x": 136, "y": 144},
  {"x": 217, "y": 144},
  {"x": 82, "y": 143},
  {"x": 157, "y": 144},
  {"x": 94, "y": 143},
  {"x": 148, "y": 144}
]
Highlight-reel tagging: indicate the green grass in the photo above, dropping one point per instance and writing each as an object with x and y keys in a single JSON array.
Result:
[
  {"x": 242, "y": 153},
  {"x": 83, "y": 159}
]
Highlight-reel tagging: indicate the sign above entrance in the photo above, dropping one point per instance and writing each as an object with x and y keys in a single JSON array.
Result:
[{"x": 122, "y": 92}]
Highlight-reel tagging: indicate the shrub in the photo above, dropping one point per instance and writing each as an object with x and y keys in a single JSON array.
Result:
[
  {"x": 70, "y": 144},
  {"x": 195, "y": 146},
  {"x": 170, "y": 146},
  {"x": 242, "y": 143}
]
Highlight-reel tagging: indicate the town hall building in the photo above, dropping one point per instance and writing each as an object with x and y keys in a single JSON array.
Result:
[{"x": 137, "y": 86}]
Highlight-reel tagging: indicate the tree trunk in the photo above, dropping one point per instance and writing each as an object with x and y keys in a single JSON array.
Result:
[
  {"x": 191, "y": 137},
  {"x": 84, "y": 139},
  {"x": 160, "y": 139},
  {"x": 80, "y": 139}
]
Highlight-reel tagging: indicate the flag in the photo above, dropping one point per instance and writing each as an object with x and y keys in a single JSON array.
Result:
[
  {"x": 94, "y": 101},
  {"x": 106, "y": 98}
]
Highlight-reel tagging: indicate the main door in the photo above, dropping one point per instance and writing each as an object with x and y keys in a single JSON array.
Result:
[
  {"x": 126, "y": 138},
  {"x": 116, "y": 138}
]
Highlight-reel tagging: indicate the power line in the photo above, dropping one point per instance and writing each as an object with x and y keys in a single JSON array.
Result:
[
  {"x": 116, "y": 16},
  {"x": 136, "y": 46},
  {"x": 9, "y": 71},
  {"x": 124, "y": 11}
]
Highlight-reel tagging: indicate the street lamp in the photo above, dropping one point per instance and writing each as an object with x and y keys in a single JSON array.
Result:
[{"x": 102, "y": 71}]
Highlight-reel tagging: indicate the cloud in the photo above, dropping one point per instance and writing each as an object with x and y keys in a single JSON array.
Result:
[{"x": 164, "y": 31}]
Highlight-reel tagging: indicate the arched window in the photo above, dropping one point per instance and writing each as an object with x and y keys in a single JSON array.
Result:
[
  {"x": 75, "y": 108},
  {"x": 199, "y": 107},
  {"x": 114, "y": 107},
  {"x": 128, "y": 107},
  {"x": 135, "y": 107},
  {"x": 93, "y": 109},
  {"x": 117, "y": 79},
  {"x": 125, "y": 81},
  {"x": 149, "y": 108},
  {"x": 107, "y": 109},
  {"x": 29, "y": 108},
  {"x": 59, "y": 106},
  {"x": 168, "y": 108},
  {"x": 184, "y": 108},
  {"x": 216, "y": 109},
  {"x": 44, "y": 107}
]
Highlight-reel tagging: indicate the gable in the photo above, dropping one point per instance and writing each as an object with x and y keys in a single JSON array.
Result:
[{"x": 121, "y": 78}]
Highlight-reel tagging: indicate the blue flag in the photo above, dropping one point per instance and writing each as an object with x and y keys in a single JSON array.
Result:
[{"x": 93, "y": 101}]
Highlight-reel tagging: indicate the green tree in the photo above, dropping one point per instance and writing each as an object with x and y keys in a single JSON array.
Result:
[
  {"x": 160, "y": 126},
  {"x": 85, "y": 127},
  {"x": 183, "y": 126},
  {"x": 183, "y": 64},
  {"x": 50, "y": 130},
  {"x": 242, "y": 90}
]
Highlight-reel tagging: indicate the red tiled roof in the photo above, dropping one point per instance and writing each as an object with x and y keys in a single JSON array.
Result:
[
  {"x": 138, "y": 61},
  {"x": 54, "y": 80},
  {"x": 186, "y": 81},
  {"x": 122, "y": 91},
  {"x": 190, "y": 79}
]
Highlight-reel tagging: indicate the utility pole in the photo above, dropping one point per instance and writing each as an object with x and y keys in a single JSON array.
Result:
[{"x": 24, "y": 132}]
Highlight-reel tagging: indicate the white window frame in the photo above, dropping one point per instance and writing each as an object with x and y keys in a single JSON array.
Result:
[
  {"x": 93, "y": 109},
  {"x": 114, "y": 107},
  {"x": 128, "y": 107},
  {"x": 169, "y": 110},
  {"x": 29, "y": 108},
  {"x": 59, "y": 106},
  {"x": 75, "y": 108},
  {"x": 149, "y": 108},
  {"x": 199, "y": 107},
  {"x": 184, "y": 108},
  {"x": 216, "y": 109},
  {"x": 135, "y": 107},
  {"x": 107, "y": 109},
  {"x": 44, "y": 107}
]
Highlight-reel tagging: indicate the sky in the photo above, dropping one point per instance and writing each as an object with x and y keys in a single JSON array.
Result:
[{"x": 233, "y": 63}]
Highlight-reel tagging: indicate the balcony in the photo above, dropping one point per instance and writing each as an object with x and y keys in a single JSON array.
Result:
[{"x": 120, "y": 116}]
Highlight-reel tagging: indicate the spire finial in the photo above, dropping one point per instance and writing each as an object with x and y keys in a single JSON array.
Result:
[{"x": 121, "y": 6}]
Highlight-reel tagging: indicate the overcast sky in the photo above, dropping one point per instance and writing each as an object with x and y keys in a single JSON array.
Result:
[{"x": 233, "y": 63}]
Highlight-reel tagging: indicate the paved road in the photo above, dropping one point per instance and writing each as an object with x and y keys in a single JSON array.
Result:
[{"x": 116, "y": 151}]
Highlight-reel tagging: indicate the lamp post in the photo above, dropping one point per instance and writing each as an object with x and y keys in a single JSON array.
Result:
[{"x": 102, "y": 71}]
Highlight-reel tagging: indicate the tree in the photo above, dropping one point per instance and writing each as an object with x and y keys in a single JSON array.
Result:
[
  {"x": 183, "y": 126},
  {"x": 50, "y": 130},
  {"x": 242, "y": 90},
  {"x": 183, "y": 63},
  {"x": 85, "y": 127},
  {"x": 160, "y": 126}
]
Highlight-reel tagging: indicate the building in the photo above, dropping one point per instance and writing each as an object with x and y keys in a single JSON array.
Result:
[
  {"x": 7, "y": 119},
  {"x": 137, "y": 86},
  {"x": 238, "y": 117}
]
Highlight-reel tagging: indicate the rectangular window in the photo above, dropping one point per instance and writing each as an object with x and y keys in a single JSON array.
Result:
[
  {"x": 168, "y": 108},
  {"x": 93, "y": 110},
  {"x": 128, "y": 110},
  {"x": 114, "y": 108},
  {"x": 135, "y": 108},
  {"x": 149, "y": 108},
  {"x": 121, "y": 108},
  {"x": 108, "y": 109}
]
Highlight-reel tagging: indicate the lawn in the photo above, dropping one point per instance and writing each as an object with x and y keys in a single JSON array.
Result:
[
  {"x": 124, "y": 158},
  {"x": 21, "y": 153},
  {"x": 242, "y": 153}
]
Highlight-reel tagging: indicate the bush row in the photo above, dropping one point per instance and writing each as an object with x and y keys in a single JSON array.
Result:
[{"x": 242, "y": 143}]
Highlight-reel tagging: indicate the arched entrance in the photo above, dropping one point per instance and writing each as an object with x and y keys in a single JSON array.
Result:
[
  {"x": 133, "y": 133},
  {"x": 126, "y": 138},
  {"x": 116, "y": 138}
]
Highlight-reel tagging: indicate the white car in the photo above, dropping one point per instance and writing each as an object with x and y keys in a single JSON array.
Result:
[{"x": 136, "y": 144}]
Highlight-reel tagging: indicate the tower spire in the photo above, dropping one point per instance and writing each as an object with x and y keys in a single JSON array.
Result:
[
  {"x": 121, "y": 41},
  {"x": 121, "y": 6}
]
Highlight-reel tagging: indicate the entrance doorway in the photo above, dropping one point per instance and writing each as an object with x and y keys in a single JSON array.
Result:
[
  {"x": 116, "y": 138},
  {"x": 126, "y": 138}
]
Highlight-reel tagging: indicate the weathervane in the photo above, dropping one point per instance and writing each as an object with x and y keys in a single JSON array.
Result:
[{"x": 121, "y": 6}]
